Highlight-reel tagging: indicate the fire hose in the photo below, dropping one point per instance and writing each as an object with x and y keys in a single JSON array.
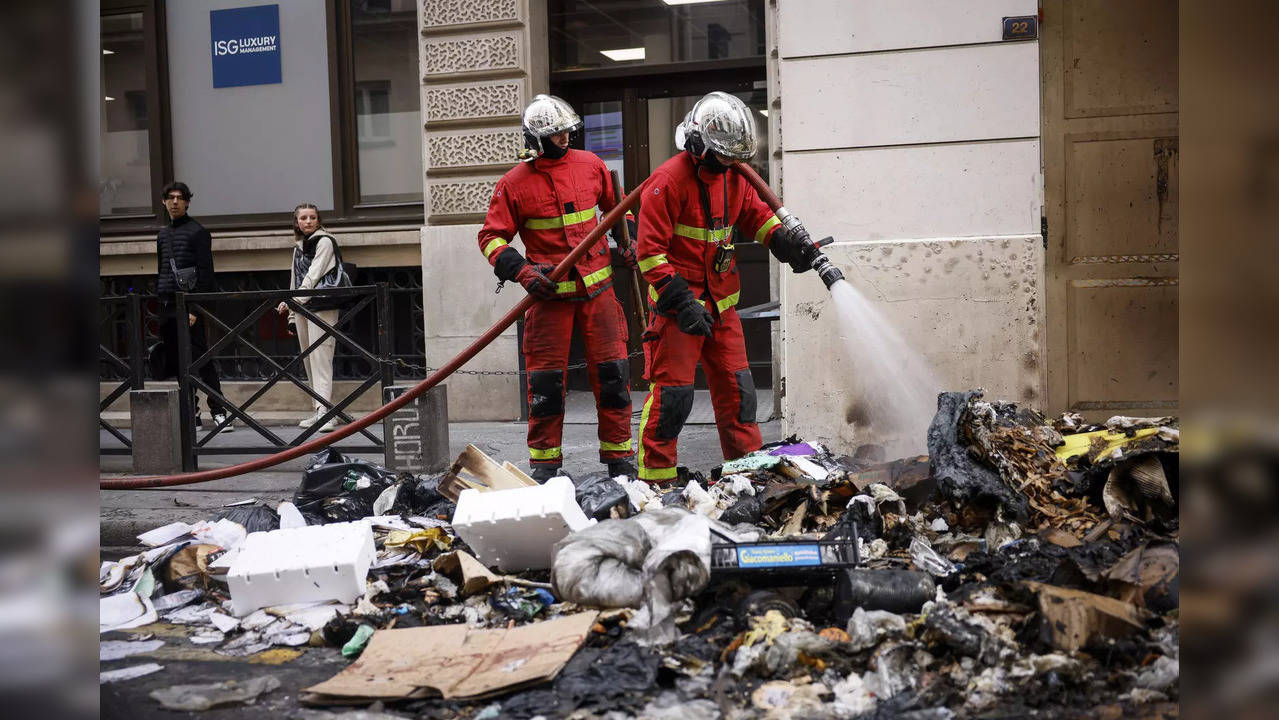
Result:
[
  {"x": 135, "y": 483},
  {"x": 821, "y": 264},
  {"x": 825, "y": 269}
]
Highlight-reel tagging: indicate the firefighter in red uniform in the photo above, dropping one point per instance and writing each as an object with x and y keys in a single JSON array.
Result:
[
  {"x": 551, "y": 200},
  {"x": 688, "y": 212}
]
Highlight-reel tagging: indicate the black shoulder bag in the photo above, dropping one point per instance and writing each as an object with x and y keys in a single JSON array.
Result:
[{"x": 339, "y": 276}]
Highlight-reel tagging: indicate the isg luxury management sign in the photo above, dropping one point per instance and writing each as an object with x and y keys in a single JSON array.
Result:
[{"x": 245, "y": 43}]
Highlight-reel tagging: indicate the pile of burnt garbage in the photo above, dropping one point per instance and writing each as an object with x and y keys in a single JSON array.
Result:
[{"x": 1026, "y": 566}]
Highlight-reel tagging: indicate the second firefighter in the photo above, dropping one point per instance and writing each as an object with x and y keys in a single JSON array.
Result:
[{"x": 551, "y": 200}]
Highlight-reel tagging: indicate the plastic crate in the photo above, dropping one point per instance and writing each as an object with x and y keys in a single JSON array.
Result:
[
  {"x": 516, "y": 529},
  {"x": 297, "y": 565}
]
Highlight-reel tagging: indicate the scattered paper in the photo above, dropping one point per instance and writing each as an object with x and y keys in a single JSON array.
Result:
[
  {"x": 109, "y": 650},
  {"x": 123, "y": 611},
  {"x": 128, "y": 673},
  {"x": 176, "y": 600},
  {"x": 224, "y": 623},
  {"x": 202, "y": 697},
  {"x": 164, "y": 535}
]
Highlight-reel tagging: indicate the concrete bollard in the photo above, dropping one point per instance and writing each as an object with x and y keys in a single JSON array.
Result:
[
  {"x": 157, "y": 438},
  {"x": 417, "y": 435}
]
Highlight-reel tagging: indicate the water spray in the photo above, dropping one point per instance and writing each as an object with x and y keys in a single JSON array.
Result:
[{"x": 896, "y": 388}]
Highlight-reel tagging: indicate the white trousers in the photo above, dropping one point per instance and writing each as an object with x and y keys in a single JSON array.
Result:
[{"x": 319, "y": 364}]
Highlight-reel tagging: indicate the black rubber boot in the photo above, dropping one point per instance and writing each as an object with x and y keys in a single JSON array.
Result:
[
  {"x": 621, "y": 467},
  {"x": 542, "y": 473}
]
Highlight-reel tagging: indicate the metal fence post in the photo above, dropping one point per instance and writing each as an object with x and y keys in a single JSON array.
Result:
[
  {"x": 387, "y": 369},
  {"x": 137, "y": 363},
  {"x": 186, "y": 404}
]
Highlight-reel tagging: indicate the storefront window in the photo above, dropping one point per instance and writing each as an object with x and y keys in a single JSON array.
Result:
[
  {"x": 384, "y": 45},
  {"x": 603, "y": 133},
  {"x": 612, "y": 33},
  {"x": 124, "y": 178}
]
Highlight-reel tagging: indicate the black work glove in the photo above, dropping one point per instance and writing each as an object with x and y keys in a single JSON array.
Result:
[
  {"x": 794, "y": 247},
  {"x": 695, "y": 319},
  {"x": 511, "y": 266},
  {"x": 533, "y": 278},
  {"x": 675, "y": 297},
  {"x": 626, "y": 256}
]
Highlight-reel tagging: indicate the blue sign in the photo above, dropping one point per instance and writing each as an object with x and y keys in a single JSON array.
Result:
[
  {"x": 778, "y": 556},
  {"x": 245, "y": 43}
]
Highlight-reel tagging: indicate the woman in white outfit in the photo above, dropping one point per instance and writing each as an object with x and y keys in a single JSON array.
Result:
[{"x": 314, "y": 256}]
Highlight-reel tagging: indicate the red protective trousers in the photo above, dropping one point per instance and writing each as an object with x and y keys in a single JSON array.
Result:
[
  {"x": 548, "y": 331},
  {"x": 670, "y": 364}
]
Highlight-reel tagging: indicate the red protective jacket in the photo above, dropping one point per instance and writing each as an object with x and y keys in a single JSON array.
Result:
[
  {"x": 552, "y": 205},
  {"x": 675, "y": 235}
]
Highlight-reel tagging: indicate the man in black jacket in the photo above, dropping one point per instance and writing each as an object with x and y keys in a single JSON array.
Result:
[{"x": 183, "y": 245}]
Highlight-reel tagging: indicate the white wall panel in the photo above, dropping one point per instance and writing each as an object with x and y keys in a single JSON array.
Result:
[
  {"x": 829, "y": 27},
  {"x": 917, "y": 96},
  {"x": 927, "y": 191}
]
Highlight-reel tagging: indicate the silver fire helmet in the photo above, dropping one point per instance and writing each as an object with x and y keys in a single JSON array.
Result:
[
  {"x": 722, "y": 124},
  {"x": 548, "y": 115},
  {"x": 681, "y": 131}
]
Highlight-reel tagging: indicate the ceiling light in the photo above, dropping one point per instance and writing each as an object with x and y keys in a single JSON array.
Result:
[
  {"x": 688, "y": 2},
  {"x": 108, "y": 98},
  {"x": 108, "y": 52},
  {"x": 763, "y": 112},
  {"x": 624, "y": 54}
]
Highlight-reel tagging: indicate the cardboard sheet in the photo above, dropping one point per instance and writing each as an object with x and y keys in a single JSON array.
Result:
[{"x": 455, "y": 661}]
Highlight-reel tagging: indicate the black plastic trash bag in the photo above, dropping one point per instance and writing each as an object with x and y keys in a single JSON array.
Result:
[
  {"x": 341, "y": 491},
  {"x": 420, "y": 496},
  {"x": 254, "y": 518},
  {"x": 598, "y": 494},
  {"x": 749, "y": 509}
]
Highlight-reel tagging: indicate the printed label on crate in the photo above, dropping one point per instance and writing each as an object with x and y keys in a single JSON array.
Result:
[{"x": 783, "y": 556}]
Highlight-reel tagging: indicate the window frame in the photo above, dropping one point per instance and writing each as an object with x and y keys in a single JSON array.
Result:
[
  {"x": 347, "y": 212},
  {"x": 156, "y": 85}
]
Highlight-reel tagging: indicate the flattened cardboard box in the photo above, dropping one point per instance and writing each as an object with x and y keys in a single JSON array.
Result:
[{"x": 454, "y": 661}]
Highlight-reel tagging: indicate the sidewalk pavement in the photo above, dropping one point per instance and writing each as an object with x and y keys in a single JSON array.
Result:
[{"x": 124, "y": 514}]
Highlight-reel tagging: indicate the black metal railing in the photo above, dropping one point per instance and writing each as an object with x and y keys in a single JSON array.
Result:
[
  {"x": 253, "y": 307},
  {"x": 405, "y": 317},
  {"x": 379, "y": 362},
  {"x": 130, "y": 368}
]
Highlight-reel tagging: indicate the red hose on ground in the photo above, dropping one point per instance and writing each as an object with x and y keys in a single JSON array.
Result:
[{"x": 134, "y": 483}]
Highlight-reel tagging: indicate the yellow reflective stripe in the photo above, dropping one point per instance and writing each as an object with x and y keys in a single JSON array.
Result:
[
  {"x": 696, "y": 233},
  {"x": 561, "y": 221},
  {"x": 615, "y": 447},
  {"x": 658, "y": 473},
  {"x": 648, "y": 263},
  {"x": 566, "y": 287},
  {"x": 728, "y": 302},
  {"x": 648, "y": 403},
  {"x": 493, "y": 246},
  {"x": 652, "y": 294},
  {"x": 598, "y": 276},
  {"x": 763, "y": 230},
  {"x": 548, "y": 454}
]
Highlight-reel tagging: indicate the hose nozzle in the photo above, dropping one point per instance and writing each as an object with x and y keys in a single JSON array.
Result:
[{"x": 826, "y": 270}]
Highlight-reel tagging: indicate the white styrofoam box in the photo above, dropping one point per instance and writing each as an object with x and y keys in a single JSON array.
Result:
[
  {"x": 516, "y": 529},
  {"x": 294, "y": 565}
]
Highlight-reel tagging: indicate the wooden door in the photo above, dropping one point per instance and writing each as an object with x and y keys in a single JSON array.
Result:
[{"x": 1110, "y": 186}]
